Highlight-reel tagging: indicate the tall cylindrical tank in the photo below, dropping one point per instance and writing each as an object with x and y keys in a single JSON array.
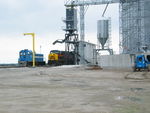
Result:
[{"x": 103, "y": 31}]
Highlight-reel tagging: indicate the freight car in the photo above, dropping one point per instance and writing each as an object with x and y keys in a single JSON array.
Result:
[
  {"x": 57, "y": 57},
  {"x": 26, "y": 58}
]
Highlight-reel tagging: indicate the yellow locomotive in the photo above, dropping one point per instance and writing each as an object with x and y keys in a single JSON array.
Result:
[{"x": 57, "y": 57}]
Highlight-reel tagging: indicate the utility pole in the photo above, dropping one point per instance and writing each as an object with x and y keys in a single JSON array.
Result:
[{"x": 33, "y": 47}]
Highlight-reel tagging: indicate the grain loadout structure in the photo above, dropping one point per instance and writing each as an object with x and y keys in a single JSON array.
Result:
[
  {"x": 134, "y": 22},
  {"x": 71, "y": 33},
  {"x": 83, "y": 4}
]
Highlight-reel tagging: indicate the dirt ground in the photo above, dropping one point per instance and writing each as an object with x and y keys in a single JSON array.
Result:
[{"x": 73, "y": 89}]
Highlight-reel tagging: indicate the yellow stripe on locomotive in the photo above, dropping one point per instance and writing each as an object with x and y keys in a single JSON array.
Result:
[{"x": 53, "y": 57}]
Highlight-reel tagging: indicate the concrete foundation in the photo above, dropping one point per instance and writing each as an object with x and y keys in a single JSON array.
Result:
[
  {"x": 124, "y": 61},
  {"x": 89, "y": 56}
]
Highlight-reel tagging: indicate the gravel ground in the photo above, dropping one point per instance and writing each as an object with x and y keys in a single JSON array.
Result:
[{"x": 73, "y": 89}]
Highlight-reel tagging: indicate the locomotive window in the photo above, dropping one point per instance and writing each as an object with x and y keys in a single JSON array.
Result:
[
  {"x": 140, "y": 59},
  {"x": 21, "y": 54},
  {"x": 55, "y": 51},
  {"x": 148, "y": 58},
  {"x": 29, "y": 53}
]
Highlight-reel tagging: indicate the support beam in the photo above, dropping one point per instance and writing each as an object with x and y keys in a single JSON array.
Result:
[
  {"x": 82, "y": 25},
  {"x": 89, "y": 2}
]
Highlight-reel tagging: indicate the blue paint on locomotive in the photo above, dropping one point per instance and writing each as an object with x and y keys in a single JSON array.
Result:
[{"x": 26, "y": 55}]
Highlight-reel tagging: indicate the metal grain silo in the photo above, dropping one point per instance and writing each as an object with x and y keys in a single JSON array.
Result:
[
  {"x": 134, "y": 26},
  {"x": 103, "y": 31}
]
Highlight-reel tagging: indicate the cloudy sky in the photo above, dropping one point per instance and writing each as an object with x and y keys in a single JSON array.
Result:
[{"x": 44, "y": 18}]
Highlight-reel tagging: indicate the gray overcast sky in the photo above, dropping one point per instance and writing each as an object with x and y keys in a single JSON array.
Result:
[{"x": 44, "y": 17}]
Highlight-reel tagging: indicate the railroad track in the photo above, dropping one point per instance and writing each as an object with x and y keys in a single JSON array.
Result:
[
  {"x": 10, "y": 66},
  {"x": 17, "y": 66}
]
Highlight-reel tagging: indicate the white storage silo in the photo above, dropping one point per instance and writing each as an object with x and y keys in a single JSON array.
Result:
[{"x": 103, "y": 31}]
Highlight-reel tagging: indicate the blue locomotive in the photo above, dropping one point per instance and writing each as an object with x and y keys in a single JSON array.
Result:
[
  {"x": 142, "y": 62},
  {"x": 25, "y": 58}
]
